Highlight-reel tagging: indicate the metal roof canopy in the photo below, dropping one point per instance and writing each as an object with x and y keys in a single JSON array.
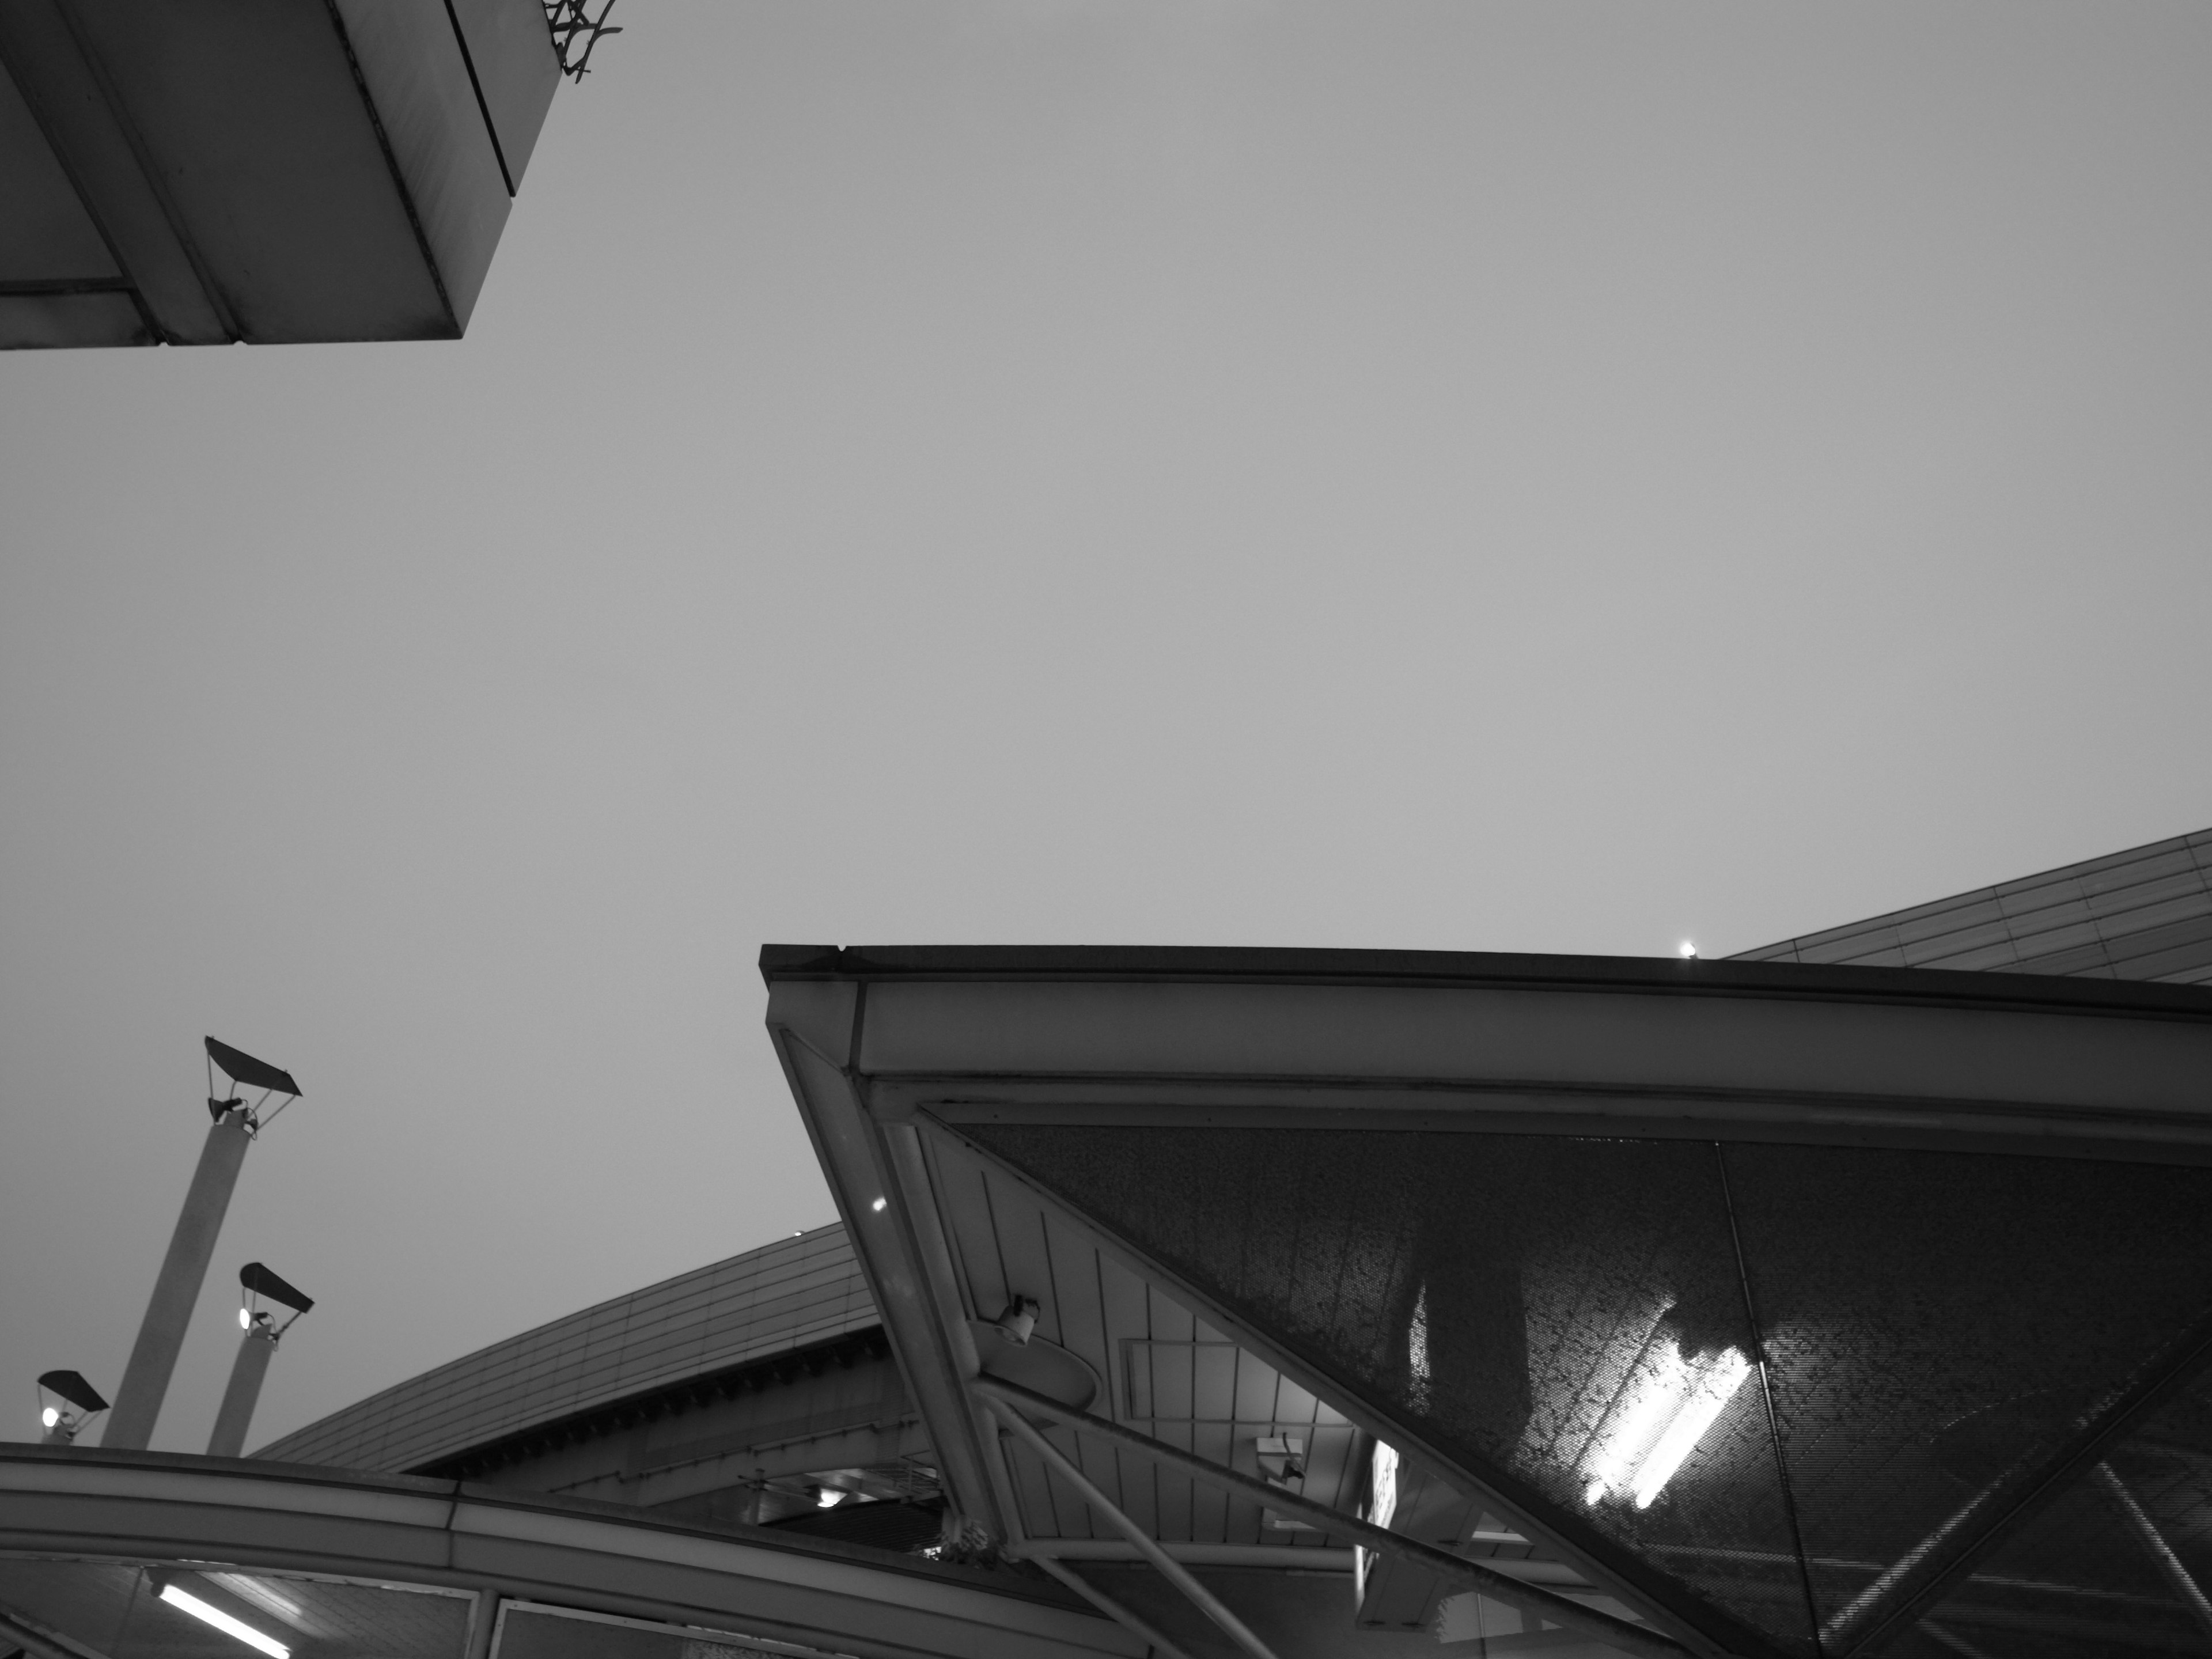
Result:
[{"x": 893, "y": 1052}]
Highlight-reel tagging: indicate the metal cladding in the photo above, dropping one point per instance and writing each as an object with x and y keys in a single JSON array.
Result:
[
  {"x": 253, "y": 1073},
  {"x": 199, "y": 171},
  {"x": 787, "y": 1296}
]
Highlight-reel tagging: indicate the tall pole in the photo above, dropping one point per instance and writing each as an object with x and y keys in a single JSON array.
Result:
[
  {"x": 162, "y": 1333},
  {"x": 254, "y": 1353}
]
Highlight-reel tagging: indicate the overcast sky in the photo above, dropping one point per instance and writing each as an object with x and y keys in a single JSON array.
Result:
[{"x": 1522, "y": 477}]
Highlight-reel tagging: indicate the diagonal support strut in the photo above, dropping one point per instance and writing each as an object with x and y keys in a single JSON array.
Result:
[{"x": 1008, "y": 1400}]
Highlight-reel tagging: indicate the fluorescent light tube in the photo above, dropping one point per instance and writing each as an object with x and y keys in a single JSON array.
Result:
[
  {"x": 1714, "y": 1385},
  {"x": 223, "y": 1622},
  {"x": 1667, "y": 1406}
]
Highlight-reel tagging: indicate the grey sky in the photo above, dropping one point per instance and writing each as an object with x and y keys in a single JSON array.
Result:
[{"x": 1538, "y": 476}]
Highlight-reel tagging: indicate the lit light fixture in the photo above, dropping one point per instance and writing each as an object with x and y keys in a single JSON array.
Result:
[
  {"x": 1686, "y": 950},
  {"x": 245, "y": 1319},
  {"x": 223, "y": 1622},
  {"x": 877, "y": 1206},
  {"x": 828, "y": 1498},
  {"x": 1662, "y": 1411},
  {"x": 79, "y": 1403}
]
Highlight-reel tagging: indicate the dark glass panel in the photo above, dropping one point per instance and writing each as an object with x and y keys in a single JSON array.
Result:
[
  {"x": 1537, "y": 1309},
  {"x": 1939, "y": 1323},
  {"x": 113, "y": 1608}
]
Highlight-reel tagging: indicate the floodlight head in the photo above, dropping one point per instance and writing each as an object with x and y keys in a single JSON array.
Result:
[
  {"x": 72, "y": 1386},
  {"x": 260, "y": 1281},
  {"x": 253, "y": 1073},
  {"x": 1019, "y": 1320}
]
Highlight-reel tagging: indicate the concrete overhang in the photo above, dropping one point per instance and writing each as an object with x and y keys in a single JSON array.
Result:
[{"x": 200, "y": 172}]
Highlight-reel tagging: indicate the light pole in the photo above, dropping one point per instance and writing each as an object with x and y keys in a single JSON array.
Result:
[
  {"x": 161, "y": 1332},
  {"x": 254, "y": 1353}
]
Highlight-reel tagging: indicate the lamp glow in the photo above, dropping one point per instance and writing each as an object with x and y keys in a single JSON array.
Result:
[
  {"x": 877, "y": 1206},
  {"x": 1666, "y": 1409},
  {"x": 50, "y": 1417},
  {"x": 223, "y": 1622},
  {"x": 828, "y": 1499},
  {"x": 245, "y": 1320},
  {"x": 1687, "y": 949}
]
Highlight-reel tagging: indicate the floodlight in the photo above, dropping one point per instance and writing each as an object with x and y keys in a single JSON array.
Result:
[
  {"x": 828, "y": 1498},
  {"x": 260, "y": 1281},
  {"x": 877, "y": 1206},
  {"x": 1019, "y": 1320},
  {"x": 64, "y": 1426},
  {"x": 223, "y": 1622},
  {"x": 72, "y": 1386},
  {"x": 241, "y": 1067},
  {"x": 1685, "y": 949}
]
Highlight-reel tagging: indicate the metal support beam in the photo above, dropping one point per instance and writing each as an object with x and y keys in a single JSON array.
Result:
[
  {"x": 2184, "y": 1581},
  {"x": 1472, "y": 1575},
  {"x": 235, "y": 1415},
  {"x": 1106, "y": 1605},
  {"x": 1171, "y": 1569},
  {"x": 177, "y": 1291}
]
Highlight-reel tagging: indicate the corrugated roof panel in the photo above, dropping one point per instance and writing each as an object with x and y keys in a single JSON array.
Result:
[{"x": 789, "y": 1294}]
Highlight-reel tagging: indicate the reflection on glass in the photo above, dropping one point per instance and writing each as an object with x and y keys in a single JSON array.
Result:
[
  {"x": 1663, "y": 1409},
  {"x": 223, "y": 1622}
]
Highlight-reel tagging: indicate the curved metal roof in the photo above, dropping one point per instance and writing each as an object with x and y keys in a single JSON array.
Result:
[{"x": 790, "y": 1294}]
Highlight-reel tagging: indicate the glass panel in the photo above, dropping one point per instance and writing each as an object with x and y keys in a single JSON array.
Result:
[
  {"x": 1939, "y": 1323},
  {"x": 1565, "y": 1319},
  {"x": 1562, "y": 1317},
  {"x": 2111, "y": 1570},
  {"x": 127, "y": 1611}
]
